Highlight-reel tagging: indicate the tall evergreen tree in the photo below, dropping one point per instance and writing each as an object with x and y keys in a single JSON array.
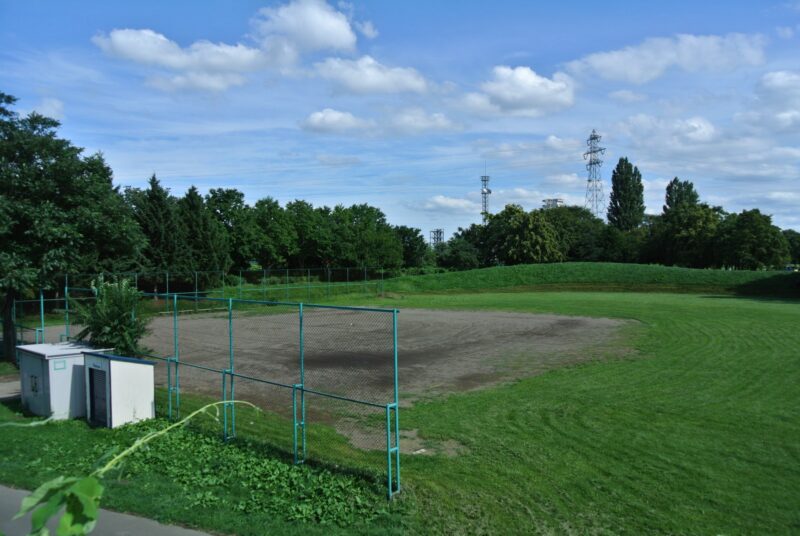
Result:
[
  {"x": 155, "y": 209},
  {"x": 626, "y": 207},
  {"x": 206, "y": 242}
]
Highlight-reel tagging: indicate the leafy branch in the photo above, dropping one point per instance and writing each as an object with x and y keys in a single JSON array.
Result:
[{"x": 80, "y": 496}]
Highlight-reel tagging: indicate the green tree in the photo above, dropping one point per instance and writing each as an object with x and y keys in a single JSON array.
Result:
[
  {"x": 626, "y": 206},
  {"x": 748, "y": 240},
  {"x": 244, "y": 237},
  {"x": 278, "y": 236},
  {"x": 60, "y": 212},
  {"x": 206, "y": 244},
  {"x": 680, "y": 193},
  {"x": 579, "y": 232},
  {"x": 457, "y": 254},
  {"x": 314, "y": 235},
  {"x": 793, "y": 240},
  {"x": 415, "y": 249},
  {"x": 156, "y": 211},
  {"x": 519, "y": 237}
]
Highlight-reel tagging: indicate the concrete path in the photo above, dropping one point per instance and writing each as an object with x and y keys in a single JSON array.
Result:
[
  {"x": 109, "y": 523},
  {"x": 9, "y": 390}
]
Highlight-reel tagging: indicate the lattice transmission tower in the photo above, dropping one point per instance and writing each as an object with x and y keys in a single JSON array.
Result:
[
  {"x": 594, "y": 184},
  {"x": 485, "y": 193}
]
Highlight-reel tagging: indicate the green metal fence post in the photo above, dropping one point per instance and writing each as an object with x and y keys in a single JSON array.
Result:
[
  {"x": 66, "y": 312},
  {"x": 302, "y": 422},
  {"x": 230, "y": 365},
  {"x": 41, "y": 311},
  {"x": 388, "y": 453},
  {"x": 176, "y": 351},
  {"x": 396, "y": 400},
  {"x": 224, "y": 407}
]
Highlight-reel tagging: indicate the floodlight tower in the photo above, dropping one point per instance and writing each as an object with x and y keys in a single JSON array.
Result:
[
  {"x": 594, "y": 184},
  {"x": 485, "y": 193}
]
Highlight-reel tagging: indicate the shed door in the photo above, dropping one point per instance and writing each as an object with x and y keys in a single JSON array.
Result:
[{"x": 98, "y": 409}]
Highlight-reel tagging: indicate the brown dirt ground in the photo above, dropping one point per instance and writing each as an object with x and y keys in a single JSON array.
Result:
[{"x": 349, "y": 353}]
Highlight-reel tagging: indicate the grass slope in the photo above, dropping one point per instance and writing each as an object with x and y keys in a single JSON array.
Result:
[{"x": 603, "y": 276}]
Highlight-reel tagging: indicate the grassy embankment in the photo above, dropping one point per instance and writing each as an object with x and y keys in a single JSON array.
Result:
[{"x": 694, "y": 430}]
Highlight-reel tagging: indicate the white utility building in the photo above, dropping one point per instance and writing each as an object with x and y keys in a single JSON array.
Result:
[
  {"x": 52, "y": 379},
  {"x": 119, "y": 390}
]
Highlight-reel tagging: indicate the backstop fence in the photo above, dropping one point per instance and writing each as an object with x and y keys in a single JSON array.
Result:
[{"x": 325, "y": 375}]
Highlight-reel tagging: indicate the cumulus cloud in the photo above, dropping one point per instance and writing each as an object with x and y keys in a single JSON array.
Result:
[
  {"x": 785, "y": 32},
  {"x": 565, "y": 180},
  {"x": 281, "y": 36},
  {"x": 653, "y": 57},
  {"x": 417, "y": 120},
  {"x": 334, "y": 121},
  {"x": 453, "y": 205},
  {"x": 366, "y": 75},
  {"x": 304, "y": 26},
  {"x": 521, "y": 91}
]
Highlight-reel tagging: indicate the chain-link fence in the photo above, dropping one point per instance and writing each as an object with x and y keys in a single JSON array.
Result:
[
  {"x": 268, "y": 284},
  {"x": 324, "y": 377}
]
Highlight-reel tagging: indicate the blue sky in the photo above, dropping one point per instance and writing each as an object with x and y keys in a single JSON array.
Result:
[{"x": 402, "y": 104}]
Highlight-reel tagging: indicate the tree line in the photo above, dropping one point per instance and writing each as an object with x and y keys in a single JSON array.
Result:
[
  {"x": 687, "y": 233},
  {"x": 61, "y": 213}
]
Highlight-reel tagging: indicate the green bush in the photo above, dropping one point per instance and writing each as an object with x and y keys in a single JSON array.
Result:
[{"x": 113, "y": 319}]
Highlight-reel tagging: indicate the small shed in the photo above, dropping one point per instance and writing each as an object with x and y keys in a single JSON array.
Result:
[
  {"x": 119, "y": 390},
  {"x": 52, "y": 379}
]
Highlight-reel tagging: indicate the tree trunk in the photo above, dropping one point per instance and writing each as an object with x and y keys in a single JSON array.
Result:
[{"x": 9, "y": 333}]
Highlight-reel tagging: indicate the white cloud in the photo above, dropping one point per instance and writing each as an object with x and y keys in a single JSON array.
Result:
[
  {"x": 692, "y": 130},
  {"x": 202, "y": 65},
  {"x": 366, "y": 75},
  {"x": 334, "y": 121},
  {"x": 453, "y": 205},
  {"x": 416, "y": 120},
  {"x": 520, "y": 91},
  {"x": 51, "y": 107},
  {"x": 626, "y": 95},
  {"x": 777, "y": 104},
  {"x": 367, "y": 29},
  {"x": 282, "y": 33},
  {"x": 653, "y": 57},
  {"x": 152, "y": 48},
  {"x": 200, "y": 81},
  {"x": 785, "y": 32},
  {"x": 304, "y": 26}
]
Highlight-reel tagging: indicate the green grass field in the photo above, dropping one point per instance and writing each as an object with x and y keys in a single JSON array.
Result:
[{"x": 694, "y": 429}]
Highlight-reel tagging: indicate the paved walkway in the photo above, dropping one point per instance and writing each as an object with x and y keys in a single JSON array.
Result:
[
  {"x": 109, "y": 523},
  {"x": 9, "y": 390}
]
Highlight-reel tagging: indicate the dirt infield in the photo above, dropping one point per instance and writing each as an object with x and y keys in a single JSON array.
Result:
[{"x": 350, "y": 353}]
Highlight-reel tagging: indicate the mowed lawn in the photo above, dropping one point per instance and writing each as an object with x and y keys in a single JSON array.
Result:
[
  {"x": 697, "y": 430},
  {"x": 694, "y": 427}
]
